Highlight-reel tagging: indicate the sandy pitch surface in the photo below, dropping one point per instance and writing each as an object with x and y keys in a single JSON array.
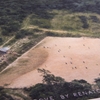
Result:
[{"x": 69, "y": 58}]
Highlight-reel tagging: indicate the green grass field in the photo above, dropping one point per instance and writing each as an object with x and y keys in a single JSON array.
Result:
[{"x": 87, "y": 23}]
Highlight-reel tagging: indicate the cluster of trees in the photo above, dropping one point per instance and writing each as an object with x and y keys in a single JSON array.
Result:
[
  {"x": 4, "y": 95},
  {"x": 13, "y": 12},
  {"x": 62, "y": 35},
  {"x": 22, "y": 33},
  {"x": 1, "y": 39},
  {"x": 84, "y": 21},
  {"x": 97, "y": 80},
  {"x": 55, "y": 86}
]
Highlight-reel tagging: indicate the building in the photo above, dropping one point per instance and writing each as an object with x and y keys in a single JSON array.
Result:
[{"x": 4, "y": 50}]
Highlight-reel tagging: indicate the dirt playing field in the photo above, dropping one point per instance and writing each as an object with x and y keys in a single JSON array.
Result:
[{"x": 69, "y": 58}]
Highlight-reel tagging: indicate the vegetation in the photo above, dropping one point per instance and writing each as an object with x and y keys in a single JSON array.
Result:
[
  {"x": 22, "y": 34},
  {"x": 31, "y": 19},
  {"x": 12, "y": 94},
  {"x": 48, "y": 33},
  {"x": 52, "y": 87},
  {"x": 97, "y": 80},
  {"x": 56, "y": 87},
  {"x": 1, "y": 40},
  {"x": 54, "y": 14}
]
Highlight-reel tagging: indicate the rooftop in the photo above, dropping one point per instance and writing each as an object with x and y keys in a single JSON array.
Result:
[{"x": 4, "y": 49}]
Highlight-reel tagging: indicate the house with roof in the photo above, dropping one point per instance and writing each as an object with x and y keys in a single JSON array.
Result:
[{"x": 4, "y": 50}]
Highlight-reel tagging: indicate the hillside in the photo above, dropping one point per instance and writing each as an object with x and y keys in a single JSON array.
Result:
[
  {"x": 70, "y": 15},
  {"x": 14, "y": 12},
  {"x": 87, "y": 23},
  {"x": 23, "y": 26},
  {"x": 72, "y": 57}
]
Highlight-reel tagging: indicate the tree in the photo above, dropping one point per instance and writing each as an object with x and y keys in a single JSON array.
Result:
[
  {"x": 97, "y": 81},
  {"x": 50, "y": 79},
  {"x": 1, "y": 39},
  {"x": 53, "y": 82}
]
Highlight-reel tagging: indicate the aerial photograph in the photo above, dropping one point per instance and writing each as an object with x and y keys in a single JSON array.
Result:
[{"x": 49, "y": 49}]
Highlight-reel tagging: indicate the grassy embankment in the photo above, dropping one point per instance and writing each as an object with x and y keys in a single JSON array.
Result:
[
  {"x": 65, "y": 23},
  {"x": 52, "y": 23}
]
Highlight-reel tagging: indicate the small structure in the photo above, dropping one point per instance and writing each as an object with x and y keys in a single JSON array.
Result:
[{"x": 3, "y": 50}]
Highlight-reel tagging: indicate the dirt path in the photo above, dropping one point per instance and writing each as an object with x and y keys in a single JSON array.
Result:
[
  {"x": 69, "y": 58},
  {"x": 7, "y": 42},
  {"x": 51, "y": 30}
]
